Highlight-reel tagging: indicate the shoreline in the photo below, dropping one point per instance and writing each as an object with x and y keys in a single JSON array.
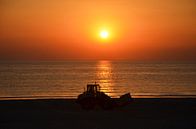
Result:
[{"x": 73, "y": 97}]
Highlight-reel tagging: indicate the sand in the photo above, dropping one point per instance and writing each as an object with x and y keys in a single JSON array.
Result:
[{"x": 66, "y": 114}]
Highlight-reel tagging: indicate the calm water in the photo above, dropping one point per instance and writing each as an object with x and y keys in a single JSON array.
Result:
[{"x": 68, "y": 79}]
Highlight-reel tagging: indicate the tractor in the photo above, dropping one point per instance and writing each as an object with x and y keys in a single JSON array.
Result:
[{"x": 93, "y": 97}]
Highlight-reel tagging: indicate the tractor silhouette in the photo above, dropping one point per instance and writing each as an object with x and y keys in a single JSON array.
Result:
[{"x": 93, "y": 97}]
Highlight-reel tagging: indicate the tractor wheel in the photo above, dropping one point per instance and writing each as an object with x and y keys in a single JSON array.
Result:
[{"x": 88, "y": 103}]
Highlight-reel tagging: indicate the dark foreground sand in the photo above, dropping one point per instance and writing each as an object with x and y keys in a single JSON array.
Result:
[{"x": 66, "y": 114}]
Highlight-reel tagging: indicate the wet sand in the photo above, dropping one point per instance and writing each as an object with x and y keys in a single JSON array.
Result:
[{"x": 66, "y": 114}]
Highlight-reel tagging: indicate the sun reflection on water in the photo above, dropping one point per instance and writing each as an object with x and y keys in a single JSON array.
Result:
[{"x": 104, "y": 75}]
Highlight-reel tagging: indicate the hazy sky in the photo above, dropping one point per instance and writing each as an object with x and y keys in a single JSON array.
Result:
[{"x": 69, "y": 29}]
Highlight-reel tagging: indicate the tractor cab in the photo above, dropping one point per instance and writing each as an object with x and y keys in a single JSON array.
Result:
[{"x": 93, "y": 88}]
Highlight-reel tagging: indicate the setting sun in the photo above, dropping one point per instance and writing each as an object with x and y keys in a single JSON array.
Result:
[
  {"x": 104, "y": 34},
  {"x": 110, "y": 29}
]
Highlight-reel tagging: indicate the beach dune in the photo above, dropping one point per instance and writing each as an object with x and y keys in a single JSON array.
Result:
[{"x": 151, "y": 113}]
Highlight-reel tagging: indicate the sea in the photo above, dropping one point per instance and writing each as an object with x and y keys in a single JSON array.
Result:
[{"x": 68, "y": 79}]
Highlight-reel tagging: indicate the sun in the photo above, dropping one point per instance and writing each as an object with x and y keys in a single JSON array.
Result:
[{"x": 104, "y": 34}]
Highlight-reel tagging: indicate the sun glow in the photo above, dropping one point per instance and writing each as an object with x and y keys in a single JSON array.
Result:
[{"x": 104, "y": 34}]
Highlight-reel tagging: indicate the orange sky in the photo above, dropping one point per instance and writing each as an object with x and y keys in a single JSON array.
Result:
[{"x": 62, "y": 29}]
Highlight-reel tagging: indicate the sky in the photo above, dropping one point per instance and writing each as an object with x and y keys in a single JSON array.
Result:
[{"x": 138, "y": 30}]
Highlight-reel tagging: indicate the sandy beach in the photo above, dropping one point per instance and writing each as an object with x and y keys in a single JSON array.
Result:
[{"x": 66, "y": 114}]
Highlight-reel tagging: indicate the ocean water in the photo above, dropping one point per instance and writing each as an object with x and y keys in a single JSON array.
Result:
[{"x": 67, "y": 79}]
